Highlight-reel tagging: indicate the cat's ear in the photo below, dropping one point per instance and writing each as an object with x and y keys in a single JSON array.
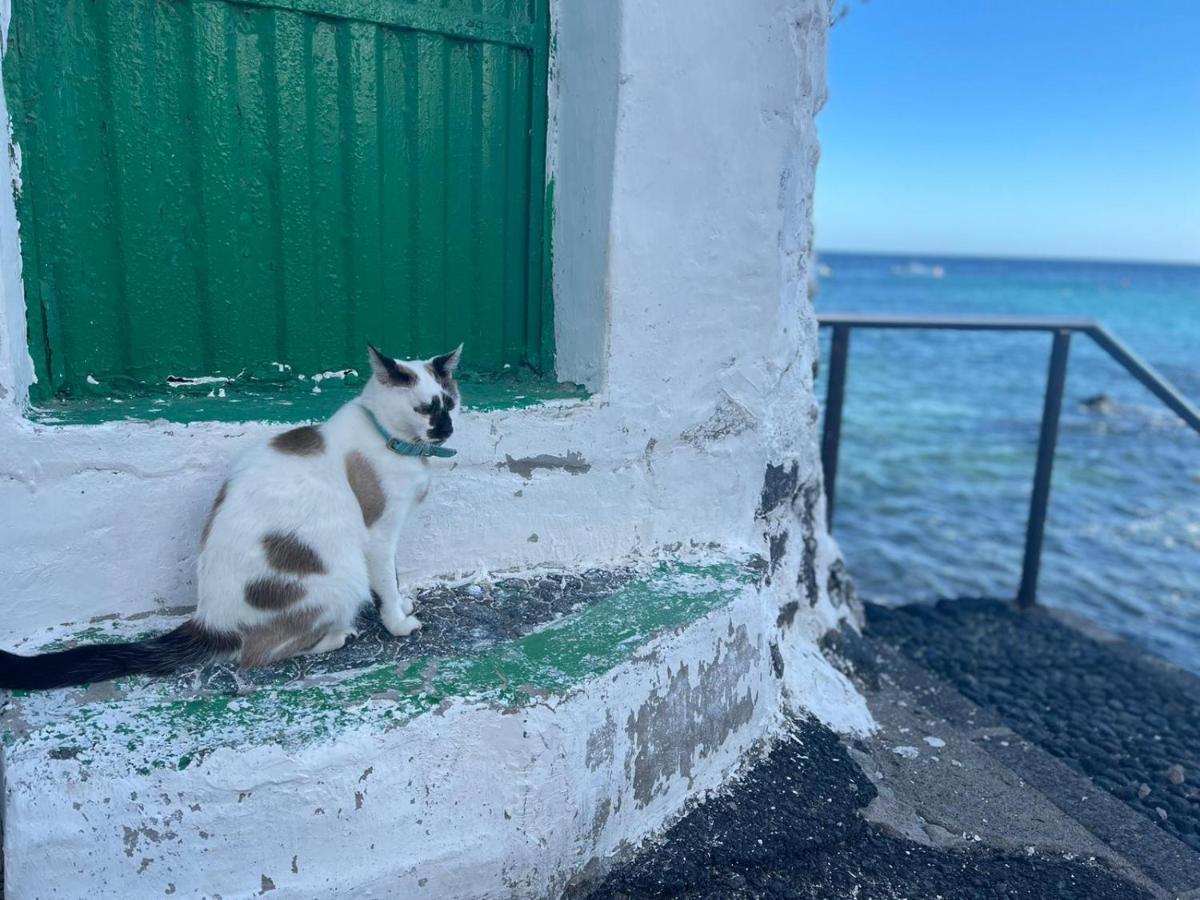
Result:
[
  {"x": 388, "y": 371},
  {"x": 444, "y": 365}
]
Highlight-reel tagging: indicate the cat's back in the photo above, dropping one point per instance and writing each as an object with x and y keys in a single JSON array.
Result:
[
  {"x": 297, "y": 472},
  {"x": 286, "y": 511}
]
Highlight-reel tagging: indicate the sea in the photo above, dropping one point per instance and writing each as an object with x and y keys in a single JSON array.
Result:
[{"x": 940, "y": 430}]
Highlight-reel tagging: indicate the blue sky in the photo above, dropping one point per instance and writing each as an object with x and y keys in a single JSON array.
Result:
[{"x": 1053, "y": 128}]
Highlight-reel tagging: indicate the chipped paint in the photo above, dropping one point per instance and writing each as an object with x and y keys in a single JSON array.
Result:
[
  {"x": 807, "y": 513},
  {"x": 730, "y": 418},
  {"x": 777, "y": 547},
  {"x": 573, "y": 462},
  {"x": 600, "y": 743},
  {"x": 673, "y": 730},
  {"x": 779, "y": 485},
  {"x": 777, "y": 664}
]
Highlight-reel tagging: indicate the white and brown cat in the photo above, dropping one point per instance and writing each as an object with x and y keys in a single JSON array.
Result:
[{"x": 300, "y": 537}]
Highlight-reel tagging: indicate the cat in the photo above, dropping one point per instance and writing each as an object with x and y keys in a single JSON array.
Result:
[{"x": 300, "y": 537}]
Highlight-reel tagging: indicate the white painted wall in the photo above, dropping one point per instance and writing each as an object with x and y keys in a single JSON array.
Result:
[
  {"x": 684, "y": 153},
  {"x": 16, "y": 366},
  {"x": 584, "y": 78}
]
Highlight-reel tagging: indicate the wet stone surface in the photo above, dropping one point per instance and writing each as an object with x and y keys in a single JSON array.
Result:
[
  {"x": 457, "y": 620},
  {"x": 1129, "y": 723},
  {"x": 792, "y": 828}
]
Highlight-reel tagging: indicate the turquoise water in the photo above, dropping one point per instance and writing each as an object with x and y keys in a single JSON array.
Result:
[{"x": 940, "y": 432}]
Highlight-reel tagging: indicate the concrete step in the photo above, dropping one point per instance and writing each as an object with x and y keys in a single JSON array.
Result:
[{"x": 535, "y": 725}]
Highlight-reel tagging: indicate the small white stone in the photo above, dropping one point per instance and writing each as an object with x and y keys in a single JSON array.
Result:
[
  {"x": 935, "y": 742},
  {"x": 906, "y": 752}
]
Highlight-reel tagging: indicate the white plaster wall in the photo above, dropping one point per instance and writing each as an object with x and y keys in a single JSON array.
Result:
[
  {"x": 697, "y": 254},
  {"x": 16, "y": 366},
  {"x": 584, "y": 78}
]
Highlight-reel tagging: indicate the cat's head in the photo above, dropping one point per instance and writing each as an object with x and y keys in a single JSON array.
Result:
[{"x": 414, "y": 398}]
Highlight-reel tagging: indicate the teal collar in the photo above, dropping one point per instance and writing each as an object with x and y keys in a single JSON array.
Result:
[{"x": 404, "y": 448}]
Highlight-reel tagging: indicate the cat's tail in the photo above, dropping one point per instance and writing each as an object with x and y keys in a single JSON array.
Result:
[{"x": 189, "y": 644}]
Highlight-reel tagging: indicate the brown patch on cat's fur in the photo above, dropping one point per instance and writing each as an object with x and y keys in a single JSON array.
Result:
[
  {"x": 212, "y": 513},
  {"x": 272, "y": 593},
  {"x": 367, "y": 487},
  {"x": 306, "y": 440},
  {"x": 287, "y": 553},
  {"x": 284, "y": 635}
]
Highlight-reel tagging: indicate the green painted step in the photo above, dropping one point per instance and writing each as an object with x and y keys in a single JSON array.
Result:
[
  {"x": 257, "y": 400},
  {"x": 510, "y": 644}
]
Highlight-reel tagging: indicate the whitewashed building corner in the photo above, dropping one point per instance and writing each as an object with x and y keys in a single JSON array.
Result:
[{"x": 682, "y": 146}]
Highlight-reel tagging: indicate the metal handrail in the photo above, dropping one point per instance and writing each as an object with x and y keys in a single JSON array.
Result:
[{"x": 1061, "y": 329}]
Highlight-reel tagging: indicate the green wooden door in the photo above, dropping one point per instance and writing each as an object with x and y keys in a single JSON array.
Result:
[{"x": 262, "y": 186}]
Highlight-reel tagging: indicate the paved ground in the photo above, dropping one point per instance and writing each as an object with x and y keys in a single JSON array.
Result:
[
  {"x": 1108, "y": 712},
  {"x": 1009, "y": 763}
]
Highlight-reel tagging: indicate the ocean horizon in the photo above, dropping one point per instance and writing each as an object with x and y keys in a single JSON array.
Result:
[
  {"x": 940, "y": 432},
  {"x": 1005, "y": 258}
]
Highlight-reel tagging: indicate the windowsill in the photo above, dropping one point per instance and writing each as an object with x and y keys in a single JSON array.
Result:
[{"x": 277, "y": 402}]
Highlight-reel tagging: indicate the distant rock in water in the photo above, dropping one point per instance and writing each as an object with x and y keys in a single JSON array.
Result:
[
  {"x": 916, "y": 269},
  {"x": 1099, "y": 403}
]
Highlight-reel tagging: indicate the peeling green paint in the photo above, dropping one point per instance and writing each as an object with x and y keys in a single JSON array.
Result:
[
  {"x": 155, "y": 729},
  {"x": 261, "y": 401}
]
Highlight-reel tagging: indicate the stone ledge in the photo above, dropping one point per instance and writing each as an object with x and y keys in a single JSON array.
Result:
[{"x": 497, "y": 754}]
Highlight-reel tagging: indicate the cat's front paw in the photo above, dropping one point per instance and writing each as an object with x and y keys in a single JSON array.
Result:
[{"x": 401, "y": 625}]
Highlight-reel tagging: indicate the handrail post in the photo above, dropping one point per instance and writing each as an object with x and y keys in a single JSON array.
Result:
[
  {"x": 831, "y": 436},
  {"x": 1039, "y": 499}
]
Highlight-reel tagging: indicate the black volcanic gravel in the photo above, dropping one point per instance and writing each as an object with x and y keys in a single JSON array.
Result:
[
  {"x": 791, "y": 829},
  {"x": 1130, "y": 724}
]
